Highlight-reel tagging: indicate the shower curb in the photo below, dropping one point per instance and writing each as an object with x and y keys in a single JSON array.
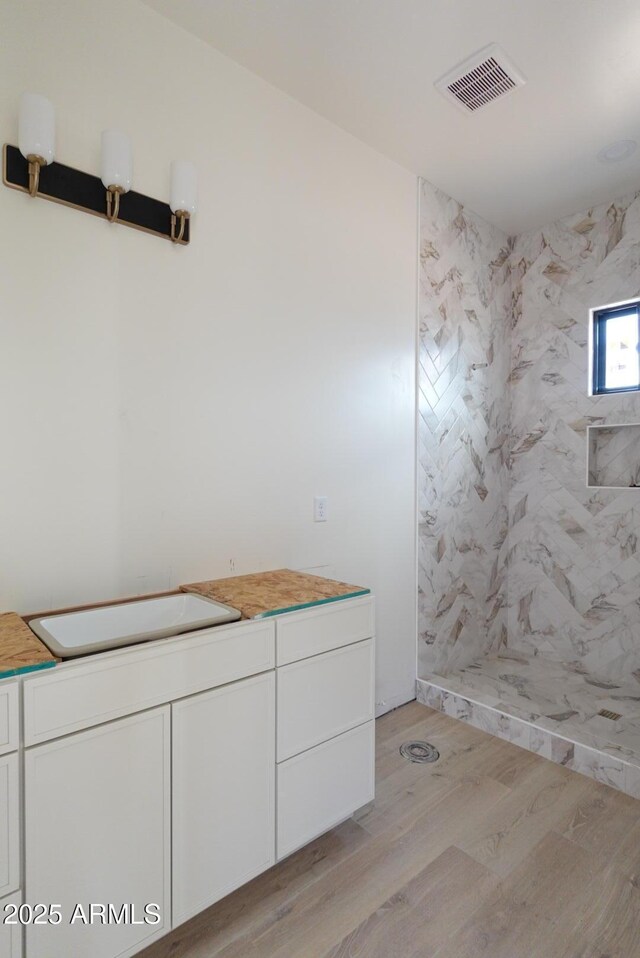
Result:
[{"x": 597, "y": 764}]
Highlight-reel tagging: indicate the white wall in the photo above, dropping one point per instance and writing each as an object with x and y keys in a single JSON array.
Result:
[{"x": 168, "y": 414}]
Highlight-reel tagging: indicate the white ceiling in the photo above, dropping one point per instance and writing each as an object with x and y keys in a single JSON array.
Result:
[{"x": 369, "y": 66}]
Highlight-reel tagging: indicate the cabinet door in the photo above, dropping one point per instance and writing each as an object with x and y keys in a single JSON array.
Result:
[
  {"x": 97, "y": 815},
  {"x": 9, "y": 825},
  {"x": 223, "y": 792},
  {"x": 10, "y": 935}
]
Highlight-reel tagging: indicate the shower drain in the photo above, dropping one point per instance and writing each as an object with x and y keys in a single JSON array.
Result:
[
  {"x": 607, "y": 713},
  {"x": 421, "y": 752}
]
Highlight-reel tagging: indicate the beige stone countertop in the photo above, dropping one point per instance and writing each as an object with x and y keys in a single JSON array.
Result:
[
  {"x": 20, "y": 650},
  {"x": 264, "y": 594}
]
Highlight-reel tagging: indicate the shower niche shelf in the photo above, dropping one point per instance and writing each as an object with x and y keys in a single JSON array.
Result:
[{"x": 613, "y": 456}]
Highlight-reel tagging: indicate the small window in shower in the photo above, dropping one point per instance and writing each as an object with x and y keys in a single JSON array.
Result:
[{"x": 616, "y": 348}]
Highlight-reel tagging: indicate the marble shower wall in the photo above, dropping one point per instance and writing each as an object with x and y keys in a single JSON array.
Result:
[
  {"x": 463, "y": 454},
  {"x": 503, "y": 416},
  {"x": 574, "y": 553}
]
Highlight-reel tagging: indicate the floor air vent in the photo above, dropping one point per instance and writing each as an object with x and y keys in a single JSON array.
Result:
[
  {"x": 480, "y": 79},
  {"x": 607, "y": 713}
]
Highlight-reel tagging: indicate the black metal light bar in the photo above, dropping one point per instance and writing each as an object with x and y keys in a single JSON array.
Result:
[{"x": 82, "y": 191}]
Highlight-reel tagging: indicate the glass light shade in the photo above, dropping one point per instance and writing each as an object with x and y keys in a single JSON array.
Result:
[
  {"x": 117, "y": 160},
  {"x": 184, "y": 187},
  {"x": 37, "y": 127}
]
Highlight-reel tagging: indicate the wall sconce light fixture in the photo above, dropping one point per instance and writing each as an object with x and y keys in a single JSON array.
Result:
[
  {"x": 30, "y": 168},
  {"x": 183, "y": 202},
  {"x": 36, "y": 135},
  {"x": 117, "y": 169}
]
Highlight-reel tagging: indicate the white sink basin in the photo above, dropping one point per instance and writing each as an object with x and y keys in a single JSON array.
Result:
[{"x": 110, "y": 626}]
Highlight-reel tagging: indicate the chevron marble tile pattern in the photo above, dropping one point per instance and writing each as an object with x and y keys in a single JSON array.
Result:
[
  {"x": 573, "y": 556},
  {"x": 516, "y": 552},
  {"x": 464, "y": 366}
]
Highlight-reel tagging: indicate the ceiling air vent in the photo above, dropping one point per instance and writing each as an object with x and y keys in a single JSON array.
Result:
[{"x": 480, "y": 79}]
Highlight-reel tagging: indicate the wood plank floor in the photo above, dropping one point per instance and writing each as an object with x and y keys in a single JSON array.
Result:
[{"x": 492, "y": 851}]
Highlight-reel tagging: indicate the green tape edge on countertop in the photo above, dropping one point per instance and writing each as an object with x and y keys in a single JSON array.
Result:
[
  {"x": 310, "y": 605},
  {"x": 8, "y": 673}
]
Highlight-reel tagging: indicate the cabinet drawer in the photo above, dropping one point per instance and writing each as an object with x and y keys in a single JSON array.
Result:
[
  {"x": 10, "y": 935},
  {"x": 9, "y": 825},
  {"x": 114, "y": 684},
  {"x": 302, "y": 634},
  {"x": 321, "y": 787},
  {"x": 320, "y": 697},
  {"x": 8, "y": 717}
]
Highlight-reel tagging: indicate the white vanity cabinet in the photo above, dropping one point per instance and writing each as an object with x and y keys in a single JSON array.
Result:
[
  {"x": 169, "y": 774},
  {"x": 147, "y": 769},
  {"x": 98, "y": 829}
]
